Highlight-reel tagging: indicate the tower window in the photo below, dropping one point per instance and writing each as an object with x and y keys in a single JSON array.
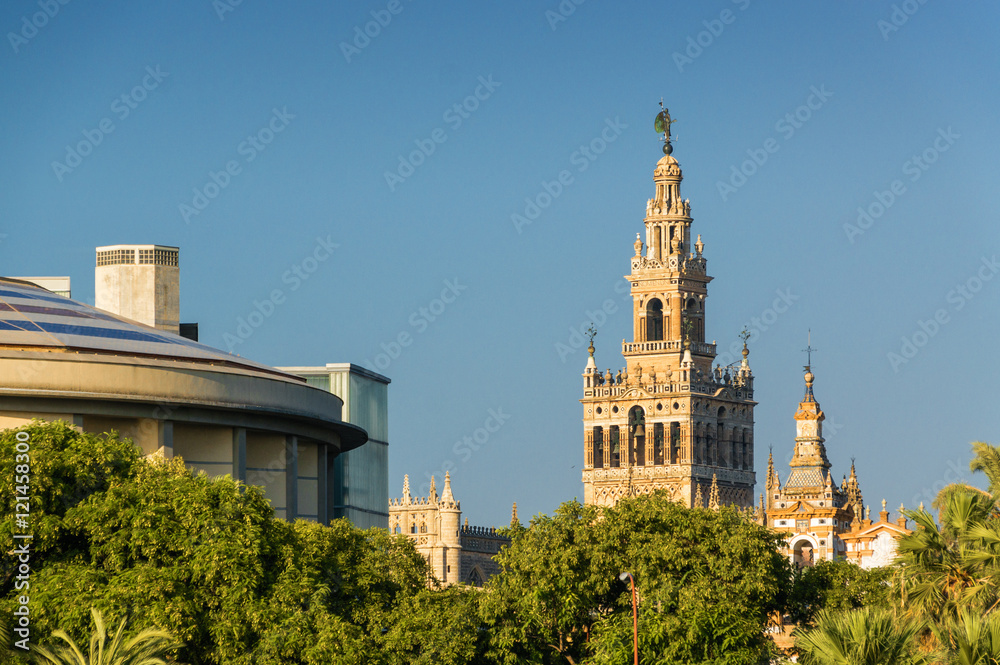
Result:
[
  {"x": 637, "y": 435},
  {"x": 658, "y": 444},
  {"x": 614, "y": 442},
  {"x": 654, "y": 320},
  {"x": 598, "y": 447}
]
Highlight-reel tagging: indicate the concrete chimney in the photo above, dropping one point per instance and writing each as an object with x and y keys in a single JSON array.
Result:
[{"x": 140, "y": 282}]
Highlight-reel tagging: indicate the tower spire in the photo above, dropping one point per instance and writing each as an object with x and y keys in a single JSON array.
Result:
[
  {"x": 809, "y": 349},
  {"x": 406, "y": 490},
  {"x": 808, "y": 368},
  {"x": 770, "y": 468},
  {"x": 713, "y": 494},
  {"x": 446, "y": 495}
]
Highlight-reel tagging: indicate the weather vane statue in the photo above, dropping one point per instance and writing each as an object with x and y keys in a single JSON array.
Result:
[{"x": 662, "y": 125}]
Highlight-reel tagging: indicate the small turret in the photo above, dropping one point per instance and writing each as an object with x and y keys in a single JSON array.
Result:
[
  {"x": 513, "y": 516},
  {"x": 447, "y": 496},
  {"x": 699, "y": 500}
]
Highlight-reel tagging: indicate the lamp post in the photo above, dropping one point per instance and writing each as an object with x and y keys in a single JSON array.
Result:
[{"x": 635, "y": 615}]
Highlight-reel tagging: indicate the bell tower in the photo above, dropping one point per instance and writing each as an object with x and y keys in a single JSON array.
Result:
[{"x": 668, "y": 420}]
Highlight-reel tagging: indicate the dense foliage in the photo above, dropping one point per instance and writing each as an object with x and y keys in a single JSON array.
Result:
[
  {"x": 836, "y": 586},
  {"x": 708, "y": 581},
  {"x": 200, "y": 558},
  {"x": 185, "y": 559}
]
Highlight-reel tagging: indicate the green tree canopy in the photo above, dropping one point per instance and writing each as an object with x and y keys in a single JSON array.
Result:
[
  {"x": 201, "y": 558},
  {"x": 707, "y": 580},
  {"x": 837, "y": 586}
]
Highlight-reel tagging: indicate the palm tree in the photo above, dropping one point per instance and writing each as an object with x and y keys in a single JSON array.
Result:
[
  {"x": 865, "y": 636},
  {"x": 953, "y": 567},
  {"x": 147, "y": 648},
  {"x": 987, "y": 460},
  {"x": 970, "y": 640}
]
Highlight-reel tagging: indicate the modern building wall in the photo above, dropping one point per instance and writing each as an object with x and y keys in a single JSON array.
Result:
[
  {"x": 224, "y": 415},
  {"x": 58, "y": 285},
  {"x": 359, "y": 478}
]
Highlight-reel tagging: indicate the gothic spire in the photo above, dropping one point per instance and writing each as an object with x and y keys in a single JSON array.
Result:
[
  {"x": 769, "y": 483},
  {"x": 513, "y": 515},
  {"x": 699, "y": 500},
  {"x": 433, "y": 493},
  {"x": 406, "y": 490},
  {"x": 447, "y": 496},
  {"x": 713, "y": 495}
]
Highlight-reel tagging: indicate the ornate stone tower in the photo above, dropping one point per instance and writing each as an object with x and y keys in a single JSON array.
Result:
[
  {"x": 810, "y": 509},
  {"x": 668, "y": 420}
]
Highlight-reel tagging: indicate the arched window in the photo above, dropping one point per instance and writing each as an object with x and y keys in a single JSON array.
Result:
[
  {"x": 475, "y": 579},
  {"x": 654, "y": 320},
  {"x": 658, "y": 444},
  {"x": 693, "y": 313},
  {"x": 598, "y": 447},
  {"x": 423, "y": 528},
  {"x": 413, "y": 528},
  {"x": 675, "y": 443},
  {"x": 397, "y": 530},
  {"x": 637, "y": 436},
  {"x": 747, "y": 450},
  {"x": 614, "y": 442},
  {"x": 720, "y": 452}
]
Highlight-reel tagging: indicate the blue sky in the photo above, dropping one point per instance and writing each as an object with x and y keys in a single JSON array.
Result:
[{"x": 309, "y": 117}]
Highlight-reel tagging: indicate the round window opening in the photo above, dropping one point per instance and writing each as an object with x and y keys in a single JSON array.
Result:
[{"x": 600, "y": 410}]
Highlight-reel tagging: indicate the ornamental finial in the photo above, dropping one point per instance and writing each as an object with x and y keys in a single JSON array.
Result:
[{"x": 662, "y": 126}]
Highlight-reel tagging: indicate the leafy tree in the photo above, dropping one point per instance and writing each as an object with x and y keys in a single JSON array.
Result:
[
  {"x": 836, "y": 586},
  {"x": 202, "y": 558},
  {"x": 554, "y": 588},
  {"x": 866, "y": 636},
  {"x": 707, "y": 582},
  {"x": 437, "y": 627},
  {"x": 149, "y": 647}
]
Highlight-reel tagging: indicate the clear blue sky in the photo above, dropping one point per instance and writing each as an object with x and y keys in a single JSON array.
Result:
[{"x": 329, "y": 122}]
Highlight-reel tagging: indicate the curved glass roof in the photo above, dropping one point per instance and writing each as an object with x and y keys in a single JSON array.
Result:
[{"x": 31, "y": 316}]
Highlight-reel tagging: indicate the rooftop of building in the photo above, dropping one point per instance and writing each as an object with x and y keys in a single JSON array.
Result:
[{"x": 33, "y": 318}]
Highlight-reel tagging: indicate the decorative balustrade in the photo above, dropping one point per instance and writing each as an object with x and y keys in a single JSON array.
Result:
[
  {"x": 631, "y": 348},
  {"x": 700, "y": 387}
]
